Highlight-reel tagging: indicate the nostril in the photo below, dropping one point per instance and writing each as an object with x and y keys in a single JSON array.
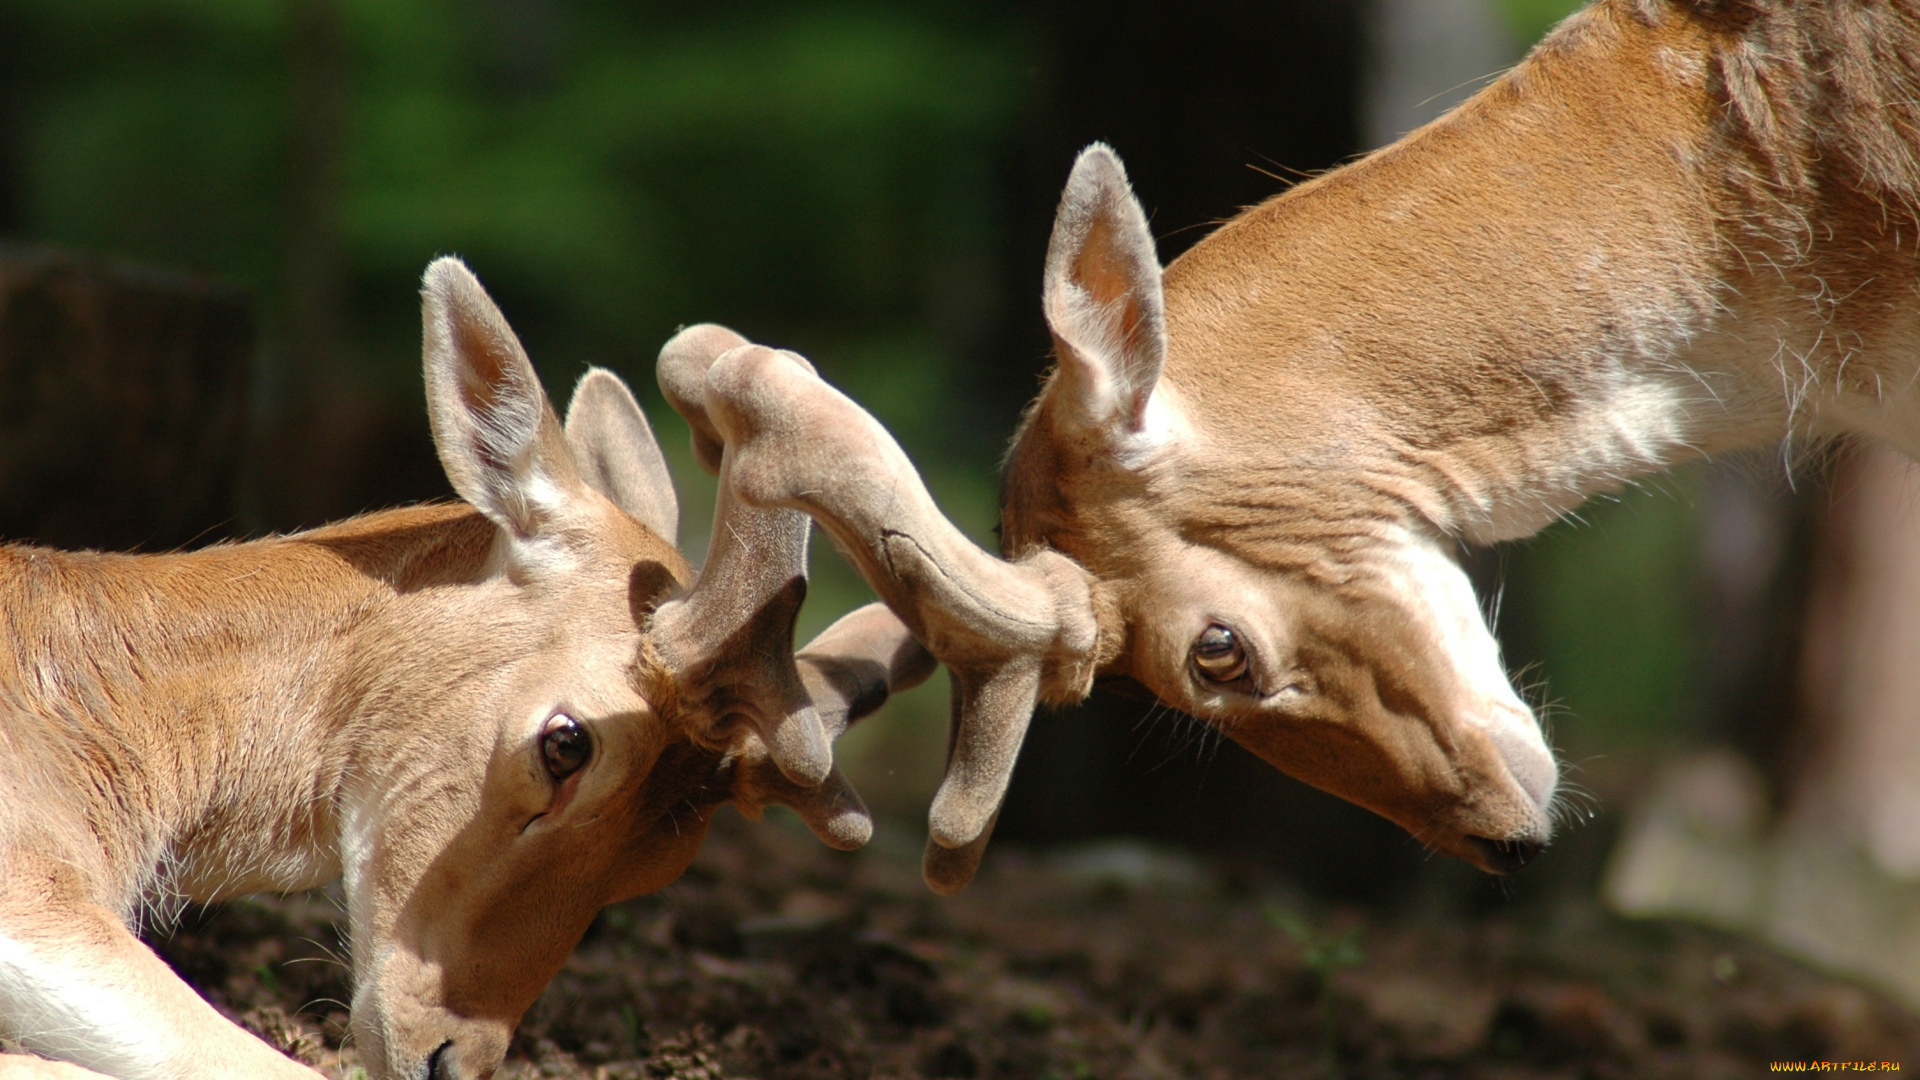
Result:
[
  {"x": 437, "y": 1067},
  {"x": 1506, "y": 856}
]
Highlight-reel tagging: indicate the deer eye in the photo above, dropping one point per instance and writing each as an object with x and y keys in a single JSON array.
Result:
[
  {"x": 564, "y": 746},
  {"x": 1218, "y": 654}
]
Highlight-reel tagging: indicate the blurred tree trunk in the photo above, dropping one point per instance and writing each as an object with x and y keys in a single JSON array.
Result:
[
  {"x": 1808, "y": 834},
  {"x": 318, "y": 66},
  {"x": 1846, "y": 857},
  {"x": 122, "y": 395},
  {"x": 323, "y": 447},
  {"x": 1861, "y": 754},
  {"x": 13, "y": 48}
]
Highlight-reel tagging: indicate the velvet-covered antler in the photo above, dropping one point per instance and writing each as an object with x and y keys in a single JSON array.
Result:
[
  {"x": 729, "y": 641},
  {"x": 1009, "y": 631},
  {"x": 849, "y": 670}
]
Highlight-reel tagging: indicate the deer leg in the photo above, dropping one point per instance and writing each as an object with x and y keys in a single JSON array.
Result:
[
  {"x": 28, "y": 1067},
  {"x": 78, "y": 986}
]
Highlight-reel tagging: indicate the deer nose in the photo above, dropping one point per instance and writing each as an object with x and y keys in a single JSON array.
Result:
[
  {"x": 438, "y": 1067},
  {"x": 1505, "y": 856}
]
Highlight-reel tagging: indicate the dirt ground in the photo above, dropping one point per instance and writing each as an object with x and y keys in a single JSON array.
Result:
[{"x": 777, "y": 959}]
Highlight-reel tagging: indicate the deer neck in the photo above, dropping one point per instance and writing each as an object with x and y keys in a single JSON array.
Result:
[
  {"x": 1589, "y": 272},
  {"x": 219, "y": 691}
]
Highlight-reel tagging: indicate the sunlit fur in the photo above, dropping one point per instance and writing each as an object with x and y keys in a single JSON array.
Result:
[
  {"x": 361, "y": 698},
  {"x": 362, "y": 701},
  {"x": 1675, "y": 229}
]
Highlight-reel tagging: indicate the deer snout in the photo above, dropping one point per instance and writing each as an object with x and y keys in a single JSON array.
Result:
[
  {"x": 470, "y": 1052},
  {"x": 1516, "y": 735},
  {"x": 1505, "y": 856},
  {"x": 451, "y": 1061},
  {"x": 404, "y": 1037},
  {"x": 1511, "y": 822}
]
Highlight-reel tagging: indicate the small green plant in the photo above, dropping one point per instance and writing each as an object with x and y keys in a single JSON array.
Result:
[
  {"x": 636, "y": 1030},
  {"x": 1033, "y": 1018},
  {"x": 1324, "y": 952}
]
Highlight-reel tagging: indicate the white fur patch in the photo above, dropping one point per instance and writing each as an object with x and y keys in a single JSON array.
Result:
[
  {"x": 1442, "y": 594},
  {"x": 1641, "y": 425},
  {"x": 55, "y": 1005},
  {"x": 1164, "y": 424}
]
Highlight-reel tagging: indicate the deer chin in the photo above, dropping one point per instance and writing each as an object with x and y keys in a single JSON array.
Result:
[
  {"x": 1443, "y": 777},
  {"x": 1463, "y": 803}
]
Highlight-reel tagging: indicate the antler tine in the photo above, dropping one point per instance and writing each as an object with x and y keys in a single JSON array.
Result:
[
  {"x": 850, "y": 669},
  {"x": 682, "y": 371},
  {"x": 1007, "y": 630},
  {"x": 831, "y": 808},
  {"x": 853, "y": 666},
  {"x": 729, "y": 642}
]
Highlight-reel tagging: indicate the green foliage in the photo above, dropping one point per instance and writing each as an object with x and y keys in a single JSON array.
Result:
[
  {"x": 1324, "y": 952},
  {"x": 1531, "y": 19},
  {"x": 809, "y": 173},
  {"x": 153, "y": 130},
  {"x": 818, "y": 176},
  {"x": 268, "y": 977},
  {"x": 1610, "y": 600}
]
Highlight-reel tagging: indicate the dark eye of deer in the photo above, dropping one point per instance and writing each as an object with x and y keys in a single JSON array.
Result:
[
  {"x": 564, "y": 746},
  {"x": 1218, "y": 654}
]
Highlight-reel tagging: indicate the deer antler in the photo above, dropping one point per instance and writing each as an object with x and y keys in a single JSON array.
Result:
[
  {"x": 729, "y": 642},
  {"x": 1010, "y": 632},
  {"x": 849, "y": 671}
]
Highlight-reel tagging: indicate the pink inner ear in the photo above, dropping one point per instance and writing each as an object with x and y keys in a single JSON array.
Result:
[
  {"x": 486, "y": 363},
  {"x": 1100, "y": 269}
]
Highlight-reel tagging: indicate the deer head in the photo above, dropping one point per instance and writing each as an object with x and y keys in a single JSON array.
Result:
[
  {"x": 1282, "y": 597},
  {"x": 1260, "y": 579},
  {"x": 601, "y": 703}
]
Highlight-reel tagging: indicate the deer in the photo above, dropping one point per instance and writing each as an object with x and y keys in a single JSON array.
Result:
[
  {"x": 486, "y": 718},
  {"x": 1677, "y": 228}
]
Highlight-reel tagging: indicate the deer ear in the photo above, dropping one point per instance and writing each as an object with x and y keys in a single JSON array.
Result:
[
  {"x": 617, "y": 454},
  {"x": 497, "y": 436},
  {"x": 1102, "y": 298}
]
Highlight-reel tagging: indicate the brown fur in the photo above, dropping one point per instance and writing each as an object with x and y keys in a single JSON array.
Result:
[
  {"x": 160, "y": 691},
  {"x": 366, "y": 701},
  {"x": 1675, "y": 229},
  {"x": 134, "y": 664}
]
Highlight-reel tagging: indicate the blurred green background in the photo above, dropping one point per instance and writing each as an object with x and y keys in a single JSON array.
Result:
[{"x": 868, "y": 183}]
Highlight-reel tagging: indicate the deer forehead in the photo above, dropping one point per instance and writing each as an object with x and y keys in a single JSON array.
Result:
[{"x": 1179, "y": 575}]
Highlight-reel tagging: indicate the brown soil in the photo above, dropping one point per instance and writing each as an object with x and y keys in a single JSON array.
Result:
[{"x": 777, "y": 959}]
